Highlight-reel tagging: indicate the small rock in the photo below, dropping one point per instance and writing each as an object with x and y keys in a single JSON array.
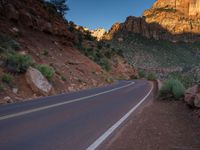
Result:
[
  {"x": 8, "y": 99},
  {"x": 15, "y": 90},
  {"x": 23, "y": 52},
  {"x": 190, "y": 94},
  {"x": 197, "y": 100},
  {"x": 15, "y": 29},
  {"x": 70, "y": 89}
]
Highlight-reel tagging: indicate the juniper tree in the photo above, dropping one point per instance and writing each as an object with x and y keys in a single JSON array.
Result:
[{"x": 61, "y": 6}]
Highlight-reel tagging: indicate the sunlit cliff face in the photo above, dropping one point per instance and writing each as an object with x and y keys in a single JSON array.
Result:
[{"x": 188, "y": 7}]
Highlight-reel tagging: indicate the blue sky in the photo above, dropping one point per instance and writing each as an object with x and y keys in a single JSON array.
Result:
[{"x": 103, "y": 13}]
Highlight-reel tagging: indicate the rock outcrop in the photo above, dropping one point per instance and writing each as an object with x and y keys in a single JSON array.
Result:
[
  {"x": 98, "y": 33},
  {"x": 38, "y": 82},
  {"x": 197, "y": 100},
  {"x": 174, "y": 20},
  {"x": 191, "y": 96},
  {"x": 187, "y": 7},
  {"x": 114, "y": 29}
]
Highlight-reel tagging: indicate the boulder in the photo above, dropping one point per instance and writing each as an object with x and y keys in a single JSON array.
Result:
[
  {"x": 197, "y": 100},
  {"x": 190, "y": 95},
  {"x": 38, "y": 82},
  {"x": 159, "y": 83}
]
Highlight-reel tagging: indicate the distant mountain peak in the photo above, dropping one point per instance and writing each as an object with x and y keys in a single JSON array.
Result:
[{"x": 98, "y": 33}]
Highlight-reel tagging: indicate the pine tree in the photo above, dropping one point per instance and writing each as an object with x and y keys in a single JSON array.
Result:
[{"x": 61, "y": 6}]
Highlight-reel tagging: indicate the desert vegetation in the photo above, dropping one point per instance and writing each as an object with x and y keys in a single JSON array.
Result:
[
  {"x": 172, "y": 88},
  {"x": 46, "y": 70}
]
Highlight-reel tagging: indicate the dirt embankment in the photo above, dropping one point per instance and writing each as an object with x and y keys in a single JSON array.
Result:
[{"x": 161, "y": 125}]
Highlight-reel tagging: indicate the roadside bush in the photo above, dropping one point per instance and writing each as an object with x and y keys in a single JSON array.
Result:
[
  {"x": 6, "y": 78},
  {"x": 97, "y": 56},
  {"x": 1, "y": 88},
  {"x": 187, "y": 80},
  {"x": 151, "y": 76},
  {"x": 18, "y": 63},
  {"x": 142, "y": 74},
  {"x": 109, "y": 79},
  {"x": 63, "y": 78},
  {"x": 172, "y": 88},
  {"x": 133, "y": 77},
  {"x": 46, "y": 70},
  {"x": 104, "y": 64}
]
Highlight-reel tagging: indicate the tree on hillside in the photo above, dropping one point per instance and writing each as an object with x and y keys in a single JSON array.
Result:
[
  {"x": 3, "y": 3},
  {"x": 61, "y": 6}
]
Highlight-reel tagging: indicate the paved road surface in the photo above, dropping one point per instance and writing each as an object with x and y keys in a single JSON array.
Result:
[{"x": 75, "y": 121}]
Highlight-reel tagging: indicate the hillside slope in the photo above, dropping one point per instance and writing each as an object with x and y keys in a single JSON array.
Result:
[{"x": 29, "y": 29}]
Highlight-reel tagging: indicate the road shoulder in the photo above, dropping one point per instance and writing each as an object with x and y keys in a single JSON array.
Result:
[{"x": 158, "y": 125}]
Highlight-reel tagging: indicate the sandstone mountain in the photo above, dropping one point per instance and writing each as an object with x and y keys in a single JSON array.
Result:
[
  {"x": 165, "y": 40},
  {"x": 98, "y": 33},
  {"x": 174, "y": 20}
]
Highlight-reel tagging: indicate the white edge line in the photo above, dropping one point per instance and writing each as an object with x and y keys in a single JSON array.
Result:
[
  {"x": 104, "y": 136},
  {"x": 62, "y": 103}
]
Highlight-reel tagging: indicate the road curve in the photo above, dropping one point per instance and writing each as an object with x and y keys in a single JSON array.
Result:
[{"x": 75, "y": 121}]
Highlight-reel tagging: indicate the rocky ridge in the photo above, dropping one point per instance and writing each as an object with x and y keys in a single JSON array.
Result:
[
  {"x": 98, "y": 33},
  {"x": 172, "y": 20}
]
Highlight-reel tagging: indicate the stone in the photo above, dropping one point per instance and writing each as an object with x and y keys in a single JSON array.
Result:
[
  {"x": 15, "y": 90},
  {"x": 197, "y": 100},
  {"x": 8, "y": 99},
  {"x": 190, "y": 94},
  {"x": 159, "y": 84},
  {"x": 38, "y": 82}
]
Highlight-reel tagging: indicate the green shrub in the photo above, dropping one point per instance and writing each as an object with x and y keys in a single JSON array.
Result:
[
  {"x": 1, "y": 88},
  {"x": 50, "y": 8},
  {"x": 151, "y": 76},
  {"x": 142, "y": 74},
  {"x": 63, "y": 78},
  {"x": 89, "y": 37},
  {"x": 46, "y": 70},
  {"x": 7, "y": 44},
  {"x": 187, "y": 80},
  {"x": 173, "y": 88},
  {"x": 97, "y": 56},
  {"x": 13, "y": 44},
  {"x": 104, "y": 64},
  {"x": 18, "y": 63},
  {"x": 109, "y": 79},
  {"x": 45, "y": 52},
  {"x": 133, "y": 77},
  {"x": 6, "y": 78}
]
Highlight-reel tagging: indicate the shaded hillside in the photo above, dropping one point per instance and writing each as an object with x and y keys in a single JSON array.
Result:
[
  {"x": 33, "y": 34},
  {"x": 159, "y": 56},
  {"x": 109, "y": 58}
]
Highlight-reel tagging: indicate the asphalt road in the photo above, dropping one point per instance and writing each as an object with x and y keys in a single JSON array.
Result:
[{"x": 75, "y": 121}]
